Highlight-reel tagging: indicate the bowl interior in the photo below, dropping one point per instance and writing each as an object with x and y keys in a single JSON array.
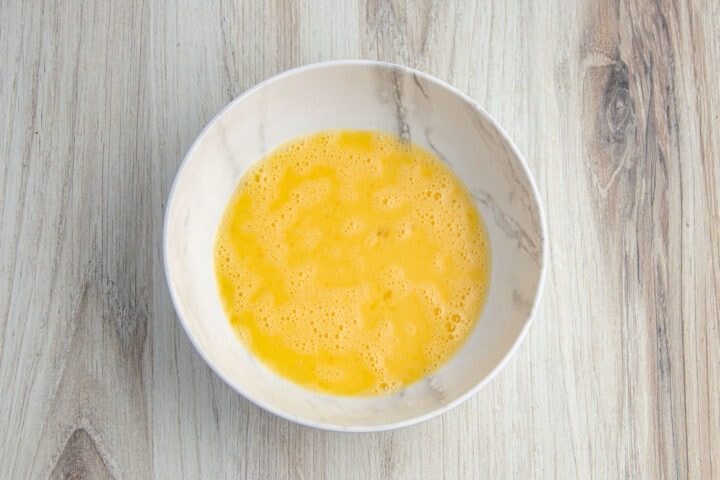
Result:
[{"x": 357, "y": 95}]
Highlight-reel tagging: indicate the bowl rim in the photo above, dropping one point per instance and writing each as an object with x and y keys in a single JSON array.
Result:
[{"x": 434, "y": 412}]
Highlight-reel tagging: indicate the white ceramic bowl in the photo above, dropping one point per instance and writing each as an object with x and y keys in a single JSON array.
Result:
[{"x": 357, "y": 95}]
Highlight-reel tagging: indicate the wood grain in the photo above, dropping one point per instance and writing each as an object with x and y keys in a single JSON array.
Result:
[{"x": 614, "y": 105}]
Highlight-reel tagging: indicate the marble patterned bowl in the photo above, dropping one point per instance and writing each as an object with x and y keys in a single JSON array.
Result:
[{"x": 357, "y": 95}]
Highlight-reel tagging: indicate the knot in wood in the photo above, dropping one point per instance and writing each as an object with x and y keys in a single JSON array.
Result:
[{"x": 617, "y": 112}]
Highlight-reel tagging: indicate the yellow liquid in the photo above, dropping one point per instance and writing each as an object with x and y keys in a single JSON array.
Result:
[{"x": 351, "y": 262}]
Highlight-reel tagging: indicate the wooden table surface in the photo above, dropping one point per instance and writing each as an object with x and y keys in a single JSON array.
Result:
[{"x": 616, "y": 108}]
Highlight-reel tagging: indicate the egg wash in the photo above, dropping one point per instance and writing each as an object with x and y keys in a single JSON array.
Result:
[{"x": 352, "y": 262}]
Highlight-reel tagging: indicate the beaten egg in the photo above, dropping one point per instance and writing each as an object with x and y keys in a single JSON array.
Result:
[{"x": 352, "y": 262}]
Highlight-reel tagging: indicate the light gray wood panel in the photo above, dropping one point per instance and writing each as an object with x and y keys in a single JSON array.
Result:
[{"x": 615, "y": 107}]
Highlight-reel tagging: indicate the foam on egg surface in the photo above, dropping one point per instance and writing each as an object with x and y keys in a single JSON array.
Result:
[{"x": 352, "y": 262}]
